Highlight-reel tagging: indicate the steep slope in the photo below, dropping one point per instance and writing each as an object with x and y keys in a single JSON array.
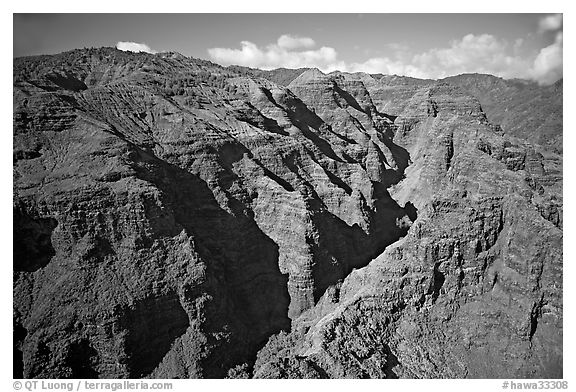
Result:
[
  {"x": 473, "y": 290},
  {"x": 174, "y": 218},
  {"x": 523, "y": 109},
  {"x": 171, "y": 215},
  {"x": 280, "y": 76}
]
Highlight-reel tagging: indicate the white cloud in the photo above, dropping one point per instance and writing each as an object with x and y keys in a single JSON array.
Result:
[
  {"x": 134, "y": 47},
  {"x": 482, "y": 53},
  {"x": 476, "y": 53},
  {"x": 290, "y": 42},
  {"x": 550, "y": 23},
  {"x": 279, "y": 55},
  {"x": 387, "y": 66},
  {"x": 548, "y": 66},
  {"x": 473, "y": 53}
]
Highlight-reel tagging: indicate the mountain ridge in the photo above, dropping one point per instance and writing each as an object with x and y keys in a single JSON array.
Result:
[{"x": 175, "y": 218}]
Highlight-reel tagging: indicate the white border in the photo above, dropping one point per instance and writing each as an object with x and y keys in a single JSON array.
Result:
[{"x": 294, "y": 6}]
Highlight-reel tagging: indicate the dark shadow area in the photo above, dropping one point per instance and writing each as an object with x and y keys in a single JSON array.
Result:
[
  {"x": 282, "y": 182},
  {"x": 400, "y": 154},
  {"x": 337, "y": 181},
  {"x": 357, "y": 124},
  {"x": 36, "y": 365},
  {"x": 386, "y": 133},
  {"x": 386, "y": 226},
  {"x": 24, "y": 154},
  {"x": 97, "y": 249},
  {"x": 348, "y": 158},
  {"x": 298, "y": 112},
  {"x": 340, "y": 248},
  {"x": 346, "y": 139},
  {"x": 321, "y": 143},
  {"x": 152, "y": 325},
  {"x": 390, "y": 176},
  {"x": 297, "y": 108},
  {"x": 535, "y": 314},
  {"x": 32, "y": 240},
  {"x": 81, "y": 359},
  {"x": 304, "y": 119},
  {"x": 102, "y": 104},
  {"x": 436, "y": 283},
  {"x": 321, "y": 372},
  {"x": 391, "y": 363},
  {"x": 334, "y": 179},
  {"x": 388, "y": 116},
  {"x": 350, "y": 100},
  {"x": 249, "y": 293},
  {"x": 19, "y": 334},
  {"x": 254, "y": 117},
  {"x": 449, "y": 154},
  {"x": 549, "y": 211},
  {"x": 411, "y": 211},
  {"x": 67, "y": 81},
  {"x": 70, "y": 100}
]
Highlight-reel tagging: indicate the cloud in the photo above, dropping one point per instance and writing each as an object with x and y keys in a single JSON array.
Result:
[
  {"x": 483, "y": 53},
  {"x": 387, "y": 66},
  {"x": 548, "y": 66},
  {"x": 134, "y": 47},
  {"x": 550, "y": 23},
  {"x": 290, "y": 42},
  {"x": 472, "y": 53},
  {"x": 281, "y": 54}
]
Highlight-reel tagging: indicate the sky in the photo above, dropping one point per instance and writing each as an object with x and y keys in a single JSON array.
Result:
[{"x": 528, "y": 46}]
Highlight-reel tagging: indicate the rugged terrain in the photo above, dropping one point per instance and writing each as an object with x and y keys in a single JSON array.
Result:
[
  {"x": 177, "y": 219},
  {"x": 523, "y": 109}
]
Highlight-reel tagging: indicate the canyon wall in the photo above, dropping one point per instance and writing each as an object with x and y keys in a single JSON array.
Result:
[{"x": 177, "y": 219}]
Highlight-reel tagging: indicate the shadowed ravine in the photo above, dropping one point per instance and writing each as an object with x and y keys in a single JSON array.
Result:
[{"x": 178, "y": 219}]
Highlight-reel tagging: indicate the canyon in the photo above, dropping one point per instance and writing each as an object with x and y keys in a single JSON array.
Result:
[{"x": 174, "y": 218}]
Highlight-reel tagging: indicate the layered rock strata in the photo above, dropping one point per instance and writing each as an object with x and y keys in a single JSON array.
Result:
[{"x": 173, "y": 218}]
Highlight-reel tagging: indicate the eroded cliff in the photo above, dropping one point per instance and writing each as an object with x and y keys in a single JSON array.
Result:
[{"x": 173, "y": 218}]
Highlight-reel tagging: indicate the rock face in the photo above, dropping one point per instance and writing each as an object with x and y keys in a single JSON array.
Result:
[
  {"x": 523, "y": 109},
  {"x": 173, "y": 218},
  {"x": 280, "y": 76},
  {"x": 473, "y": 290}
]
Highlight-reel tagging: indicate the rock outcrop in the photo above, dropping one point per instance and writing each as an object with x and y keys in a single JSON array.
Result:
[
  {"x": 174, "y": 218},
  {"x": 523, "y": 109},
  {"x": 473, "y": 290}
]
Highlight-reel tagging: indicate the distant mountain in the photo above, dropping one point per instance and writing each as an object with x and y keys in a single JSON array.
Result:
[
  {"x": 280, "y": 76},
  {"x": 523, "y": 109},
  {"x": 174, "y": 218}
]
